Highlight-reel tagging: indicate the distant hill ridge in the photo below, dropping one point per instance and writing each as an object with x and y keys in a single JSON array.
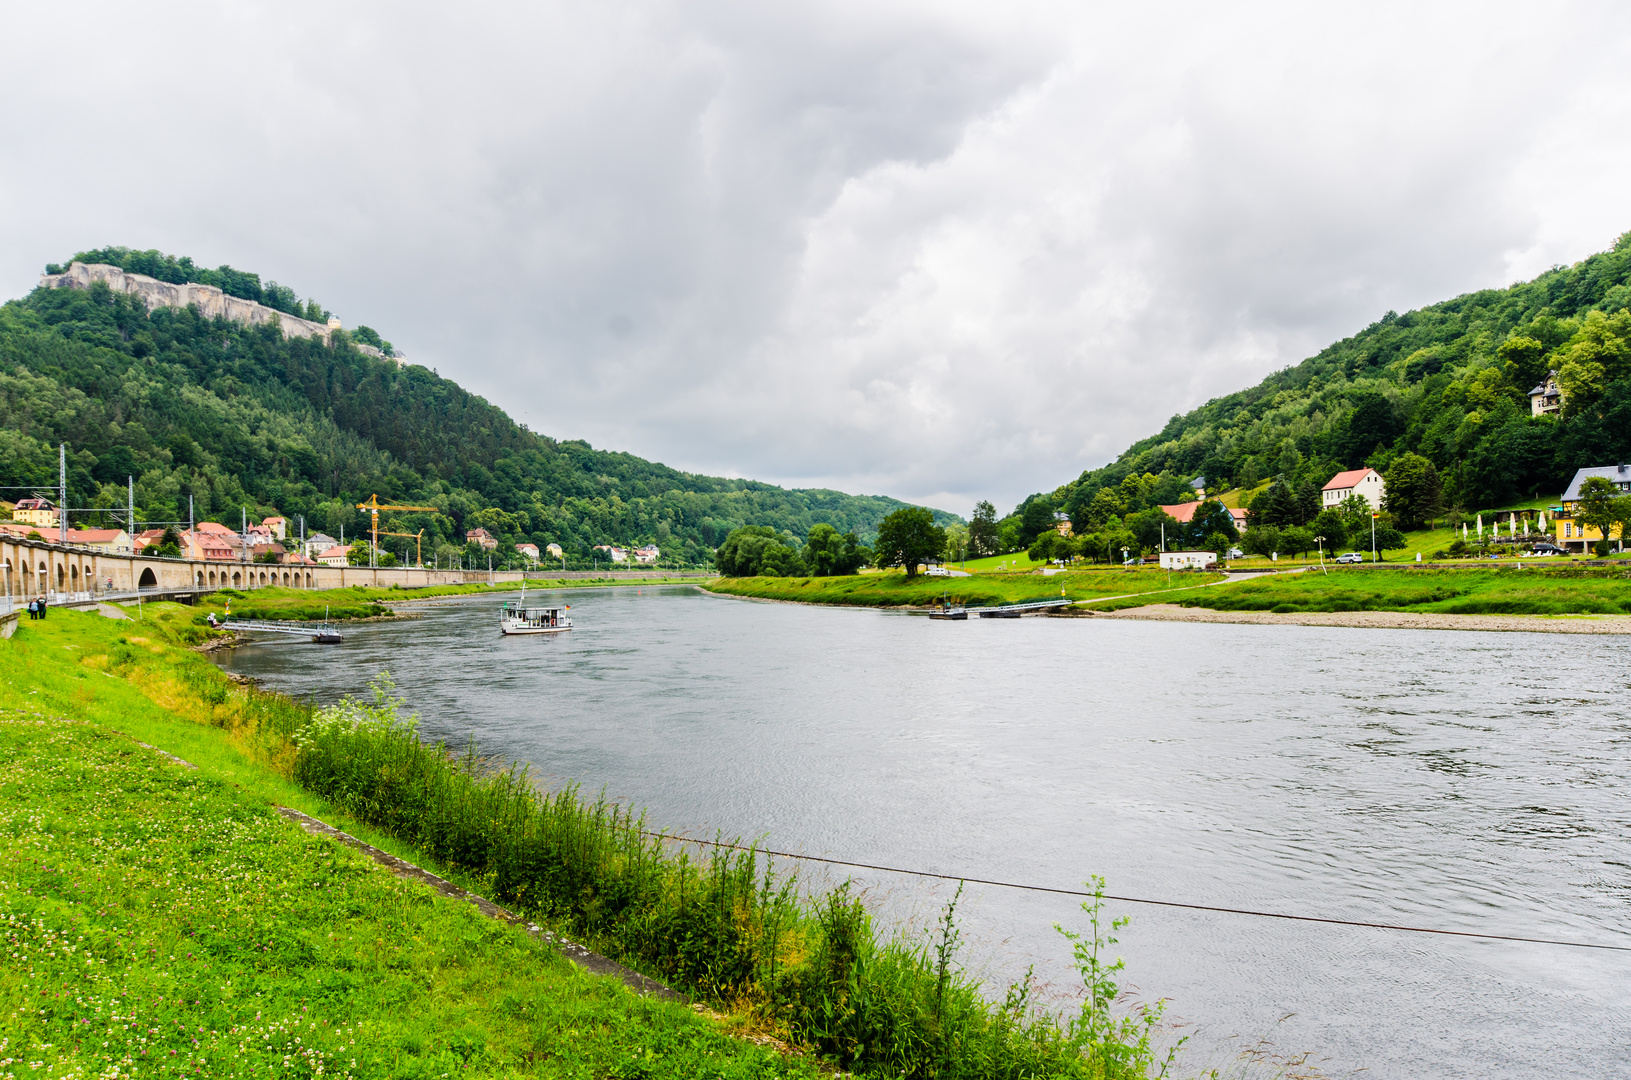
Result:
[
  {"x": 211, "y": 388},
  {"x": 1450, "y": 382}
]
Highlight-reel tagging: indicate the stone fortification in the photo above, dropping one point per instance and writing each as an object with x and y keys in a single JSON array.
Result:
[{"x": 211, "y": 302}]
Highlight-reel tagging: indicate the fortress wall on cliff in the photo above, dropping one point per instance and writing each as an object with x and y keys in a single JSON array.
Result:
[{"x": 211, "y": 302}]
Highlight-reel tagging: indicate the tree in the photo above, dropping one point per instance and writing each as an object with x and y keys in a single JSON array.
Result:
[
  {"x": 826, "y": 553},
  {"x": 1297, "y": 541},
  {"x": 1262, "y": 540},
  {"x": 1330, "y": 525},
  {"x": 1275, "y": 505},
  {"x": 756, "y": 550},
  {"x": 1210, "y": 519},
  {"x": 1035, "y": 518},
  {"x": 169, "y": 545},
  {"x": 357, "y": 553},
  {"x": 982, "y": 530},
  {"x": 956, "y": 540},
  {"x": 1050, "y": 545},
  {"x": 908, "y": 537},
  {"x": 1414, "y": 493},
  {"x": 1601, "y": 507}
]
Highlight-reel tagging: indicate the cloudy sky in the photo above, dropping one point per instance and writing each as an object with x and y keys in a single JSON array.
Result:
[{"x": 934, "y": 250}]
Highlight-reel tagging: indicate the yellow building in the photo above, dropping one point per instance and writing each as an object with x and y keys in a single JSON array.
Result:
[
  {"x": 36, "y": 512},
  {"x": 1571, "y": 533}
]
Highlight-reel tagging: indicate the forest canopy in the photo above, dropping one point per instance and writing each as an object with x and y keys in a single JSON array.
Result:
[{"x": 1446, "y": 385}]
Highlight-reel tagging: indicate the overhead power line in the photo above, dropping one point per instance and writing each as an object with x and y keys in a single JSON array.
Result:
[{"x": 1143, "y": 900}]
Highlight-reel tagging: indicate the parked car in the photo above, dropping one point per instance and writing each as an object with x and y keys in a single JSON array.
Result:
[
  {"x": 1546, "y": 549},
  {"x": 937, "y": 571},
  {"x": 1236, "y": 553},
  {"x": 1351, "y": 557}
]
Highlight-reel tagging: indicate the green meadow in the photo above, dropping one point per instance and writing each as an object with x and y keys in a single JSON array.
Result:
[
  {"x": 1503, "y": 589},
  {"x": 163, "y": 921},
  {"x": 893, "y": 589}
]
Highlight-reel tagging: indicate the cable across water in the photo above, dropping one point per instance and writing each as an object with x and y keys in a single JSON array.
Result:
[{"x": 1143, "y": 900}]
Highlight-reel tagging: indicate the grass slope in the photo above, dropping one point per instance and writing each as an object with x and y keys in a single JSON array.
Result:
[
  {"x": 162, "y": 921},
  {"x": 1475, "y": 590},
  {"x": 894, "y": 590}
]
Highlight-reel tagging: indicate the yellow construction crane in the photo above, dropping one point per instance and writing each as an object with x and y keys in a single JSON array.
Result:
[
  {"x": 418, "y": 538},
  {"x": 374, "y": 506}
]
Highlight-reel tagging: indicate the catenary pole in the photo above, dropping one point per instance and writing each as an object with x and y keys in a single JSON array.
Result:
[{"x": 62, "y": 492}]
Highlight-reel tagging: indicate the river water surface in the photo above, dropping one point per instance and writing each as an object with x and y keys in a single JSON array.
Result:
[{"x": 1466, "y": 781}]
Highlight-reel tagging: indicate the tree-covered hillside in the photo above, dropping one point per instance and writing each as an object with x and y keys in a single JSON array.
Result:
[
  {"x": 234, "y": 416},
  {"x": 1449, "y": 382}
]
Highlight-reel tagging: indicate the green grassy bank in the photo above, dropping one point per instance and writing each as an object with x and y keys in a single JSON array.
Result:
[
  {"x": 983, "y": 590},
  {"x": 1475, "y": 590},
  {"x": 367, "y": 602},
  {"x": 163, "y": 922}
]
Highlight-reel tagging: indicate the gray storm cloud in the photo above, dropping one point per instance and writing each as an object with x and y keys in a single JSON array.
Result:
[{"x": 936, "y": 252}]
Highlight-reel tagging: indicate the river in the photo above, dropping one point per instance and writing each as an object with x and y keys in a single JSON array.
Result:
[{"x": 1465, "y": 781}]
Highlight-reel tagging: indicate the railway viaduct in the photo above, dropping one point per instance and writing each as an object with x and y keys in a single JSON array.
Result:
[{"x": 30, "y": 568}]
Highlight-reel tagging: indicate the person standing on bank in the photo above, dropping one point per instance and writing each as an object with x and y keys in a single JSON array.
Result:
[
  {"x": 33, "y": 610},
  {"x": 42, "y": 607}
]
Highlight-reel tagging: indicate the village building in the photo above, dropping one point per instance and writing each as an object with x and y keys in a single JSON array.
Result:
[
  {"x": 317, "y": 542},
  {"x": 482, "y": 538},
  {"x": 1188, "y": 560},
  {"x": 1366, "y": 483},
  {"x": 111, "y": 541},
  {"x": 211, "y": 540},
  {"x": 334, "y": 556},
  {"x": 1547, "y": 398},
  {"x": 529, "y": 550},
  {"x": 37, "y": 512},
  {"x": 1573, "y": 535},
  {"x": 555, "y": 552},
  {"x": 1184, "y": 513},
  {"x": 647, "y": 554},
  {"x": 277, "y": 526}
]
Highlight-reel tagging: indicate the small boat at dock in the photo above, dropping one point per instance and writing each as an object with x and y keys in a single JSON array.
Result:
[{"x": 517, "y": 617}]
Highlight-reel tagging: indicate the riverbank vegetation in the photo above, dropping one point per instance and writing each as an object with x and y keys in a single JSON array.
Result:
[
  {"x": 162, "y": 920},
  {"x": 217, "y": 935},
  {"x": 1505, "y": 590},
  {"x": 895, "y": 589}
]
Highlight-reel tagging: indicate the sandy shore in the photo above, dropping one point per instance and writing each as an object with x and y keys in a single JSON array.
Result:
[{"x": 1383, "y": 620}]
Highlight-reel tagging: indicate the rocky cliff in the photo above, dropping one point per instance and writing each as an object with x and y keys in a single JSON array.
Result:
[{"x": 210, "y": 301}]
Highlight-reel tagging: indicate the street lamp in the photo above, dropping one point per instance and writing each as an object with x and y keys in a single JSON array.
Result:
[
  {"x": 1373, "y": 538},
  {"x": 1320, "y": 540}
]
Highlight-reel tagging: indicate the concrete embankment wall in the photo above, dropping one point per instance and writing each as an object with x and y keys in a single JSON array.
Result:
[{"x": 33, "y": 568}]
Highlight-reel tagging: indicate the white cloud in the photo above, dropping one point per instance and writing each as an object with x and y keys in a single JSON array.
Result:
[{"x": 940, "y": 252}]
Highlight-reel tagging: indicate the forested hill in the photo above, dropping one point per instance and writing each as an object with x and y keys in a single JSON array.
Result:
[
  {"x": 238, "y": 416},
  {"x": 1449, "y": 382}
]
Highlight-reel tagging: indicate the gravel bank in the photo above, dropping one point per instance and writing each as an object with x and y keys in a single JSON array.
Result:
[{"x": 1385, "y": 620}]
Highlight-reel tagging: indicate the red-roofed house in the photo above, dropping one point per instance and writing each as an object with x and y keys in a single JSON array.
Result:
[
  {"x": 277, "y": 526},
  {"x": 112, "y": 541},
  {"x": 1182, "y": 513},
  {"x": 1366, "y": 483},
  {"x": 481, "y": 537}
]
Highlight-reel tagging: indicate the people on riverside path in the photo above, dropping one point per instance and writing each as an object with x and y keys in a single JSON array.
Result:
[
  {"x": 42, "y": 607},
  {"x": 33, "y": 610}
]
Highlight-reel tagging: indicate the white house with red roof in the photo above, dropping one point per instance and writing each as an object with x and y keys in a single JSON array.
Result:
[{"x": 1366, "y": 483}]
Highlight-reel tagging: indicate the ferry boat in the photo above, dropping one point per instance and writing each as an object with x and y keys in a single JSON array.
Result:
[{"x": 518, "y": 618}]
